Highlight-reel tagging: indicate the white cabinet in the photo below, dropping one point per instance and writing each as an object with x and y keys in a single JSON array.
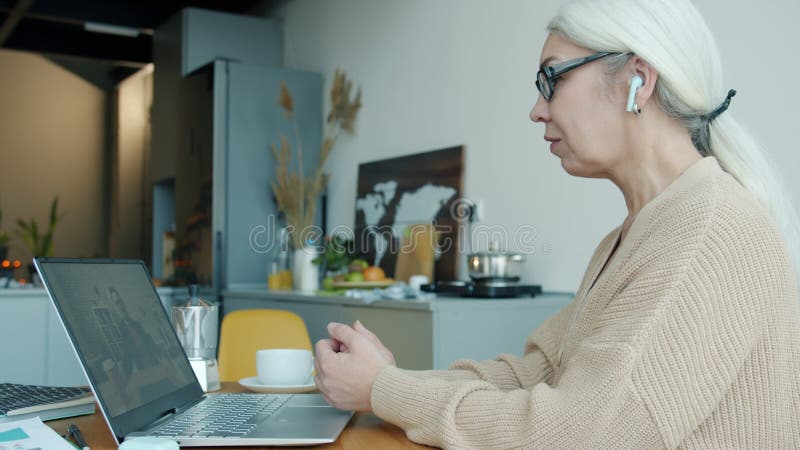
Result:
[
  {"x": 35, "y": 348},
  {"x": 215, "y": 114},
  {"x": 209, "y": 35},
  {"x": 187, "y": 41},
  {"x": 422, "y": 334},
  {"x": 26, "y": 325},
  {"x": 229, "y": 120}
]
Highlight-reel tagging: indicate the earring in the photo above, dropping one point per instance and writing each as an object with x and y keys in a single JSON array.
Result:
[{"x": 636, "y": 109}]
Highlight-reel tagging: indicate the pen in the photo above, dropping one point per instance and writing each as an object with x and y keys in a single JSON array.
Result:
[
  {"x": 75, "y": 432},
  {"x": 66, "y": 438}
]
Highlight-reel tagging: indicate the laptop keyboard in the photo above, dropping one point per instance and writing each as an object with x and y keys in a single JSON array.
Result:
[
  {"x": 223, "y": 415},
  {"x": 16, "y": 396}
]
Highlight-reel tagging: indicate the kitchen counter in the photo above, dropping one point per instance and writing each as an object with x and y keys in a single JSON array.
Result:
[
  {"x": 167, "y": 294},
  {"x": 440, "y": 302}
]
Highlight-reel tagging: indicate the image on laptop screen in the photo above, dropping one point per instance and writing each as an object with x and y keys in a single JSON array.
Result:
[{"x": 118, "y": 322}]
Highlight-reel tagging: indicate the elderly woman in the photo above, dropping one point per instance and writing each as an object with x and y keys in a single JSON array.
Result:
[{"x": 685, "y": 331}]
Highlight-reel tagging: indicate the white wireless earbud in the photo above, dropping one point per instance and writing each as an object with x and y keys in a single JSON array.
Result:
[{"x": 636, "y": 83}]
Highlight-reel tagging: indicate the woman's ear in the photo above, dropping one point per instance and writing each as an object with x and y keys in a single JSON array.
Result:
[{"x": 643, "y": 87}]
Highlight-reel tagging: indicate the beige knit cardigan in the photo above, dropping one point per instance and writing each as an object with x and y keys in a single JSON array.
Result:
[{"x": 690, "y": 337}]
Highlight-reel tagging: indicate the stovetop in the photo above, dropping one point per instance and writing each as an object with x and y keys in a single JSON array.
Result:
[{"x": 487, "y": 289}]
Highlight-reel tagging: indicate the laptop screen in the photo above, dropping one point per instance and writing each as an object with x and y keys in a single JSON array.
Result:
[{"x": 123, "y": 337}]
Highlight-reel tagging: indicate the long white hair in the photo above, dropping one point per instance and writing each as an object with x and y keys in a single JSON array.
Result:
[{"x": 674, "y": 38}]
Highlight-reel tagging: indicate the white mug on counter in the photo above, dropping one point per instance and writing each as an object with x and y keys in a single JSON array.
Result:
[{"x": 416, "y": 281}]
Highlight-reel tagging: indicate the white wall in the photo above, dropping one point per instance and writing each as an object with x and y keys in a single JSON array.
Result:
[{"x": 437, "y": 73}]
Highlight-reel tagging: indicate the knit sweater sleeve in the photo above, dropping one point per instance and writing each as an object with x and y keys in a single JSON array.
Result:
[
  {"x": 593, "y": 405},
  {"x": 650, "y": 366}
]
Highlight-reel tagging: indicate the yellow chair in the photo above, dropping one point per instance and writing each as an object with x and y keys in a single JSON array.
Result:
[{"x": 246, "y": 331}]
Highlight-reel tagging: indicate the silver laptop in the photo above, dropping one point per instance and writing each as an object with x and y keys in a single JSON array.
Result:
[{"x": 142, "y": 379}]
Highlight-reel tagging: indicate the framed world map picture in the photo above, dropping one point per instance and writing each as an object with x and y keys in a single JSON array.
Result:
[{"x": 403, "y": 213}]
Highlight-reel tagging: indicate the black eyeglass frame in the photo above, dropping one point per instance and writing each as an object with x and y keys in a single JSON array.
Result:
[{"x": 547, "y": 76}]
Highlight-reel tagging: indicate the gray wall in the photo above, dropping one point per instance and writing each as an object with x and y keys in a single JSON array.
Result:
[
  {"x": 130, "y": 186},
  {"x": 53, "y": 141},
  {"x": 437, "y": 73}
]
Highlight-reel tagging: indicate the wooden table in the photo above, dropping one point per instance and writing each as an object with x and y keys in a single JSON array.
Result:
[{"x": 364, "y": 432}]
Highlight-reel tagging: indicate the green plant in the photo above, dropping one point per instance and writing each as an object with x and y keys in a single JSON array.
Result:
[
  {"x": 336, "y": 253},
  {"x": 3, "y": 235},
  {"x": 39, "y": 244}
]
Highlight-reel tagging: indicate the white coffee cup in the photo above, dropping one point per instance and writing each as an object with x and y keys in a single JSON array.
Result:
[{"x": 284, "y": 366}]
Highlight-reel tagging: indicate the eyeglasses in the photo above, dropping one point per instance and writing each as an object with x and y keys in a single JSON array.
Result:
[{"x": 548, "y": 75}]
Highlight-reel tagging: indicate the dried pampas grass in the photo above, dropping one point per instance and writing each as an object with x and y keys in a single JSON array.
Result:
[{"x": 295, "y": 193}]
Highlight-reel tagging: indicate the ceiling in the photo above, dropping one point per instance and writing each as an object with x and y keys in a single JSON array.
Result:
[{"x": 59, "y": 28}]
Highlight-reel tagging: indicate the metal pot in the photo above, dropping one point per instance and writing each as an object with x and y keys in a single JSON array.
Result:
[{"x": 495, "y": 266}]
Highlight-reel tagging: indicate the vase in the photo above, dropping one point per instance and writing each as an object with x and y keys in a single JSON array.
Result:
[{"x": 305, "y": 274}]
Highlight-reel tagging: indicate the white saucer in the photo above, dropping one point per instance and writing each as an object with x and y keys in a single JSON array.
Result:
[{"x": 253, "y": 384}]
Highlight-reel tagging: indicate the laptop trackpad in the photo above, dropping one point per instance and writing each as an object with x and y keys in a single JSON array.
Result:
[
  {"x": 303, "y": 422},
  {"x": 308, "y": 400}
]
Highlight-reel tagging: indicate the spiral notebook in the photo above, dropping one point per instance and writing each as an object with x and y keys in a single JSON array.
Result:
[{"x": 22, "y": 401}]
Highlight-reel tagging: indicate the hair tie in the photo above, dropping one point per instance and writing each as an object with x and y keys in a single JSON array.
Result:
[{"x": 721, "y": 108}]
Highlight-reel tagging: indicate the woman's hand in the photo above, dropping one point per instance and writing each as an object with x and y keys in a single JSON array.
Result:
[
  {"x": 362, "y": 330},
  {"x": 347, "y": 365}
]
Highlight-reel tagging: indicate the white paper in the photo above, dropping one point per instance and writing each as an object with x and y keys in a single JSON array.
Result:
[{"x": 30, "y": 434}]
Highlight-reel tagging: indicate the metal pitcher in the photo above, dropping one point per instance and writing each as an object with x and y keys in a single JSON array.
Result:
[{"x": 196, "y": 322}]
